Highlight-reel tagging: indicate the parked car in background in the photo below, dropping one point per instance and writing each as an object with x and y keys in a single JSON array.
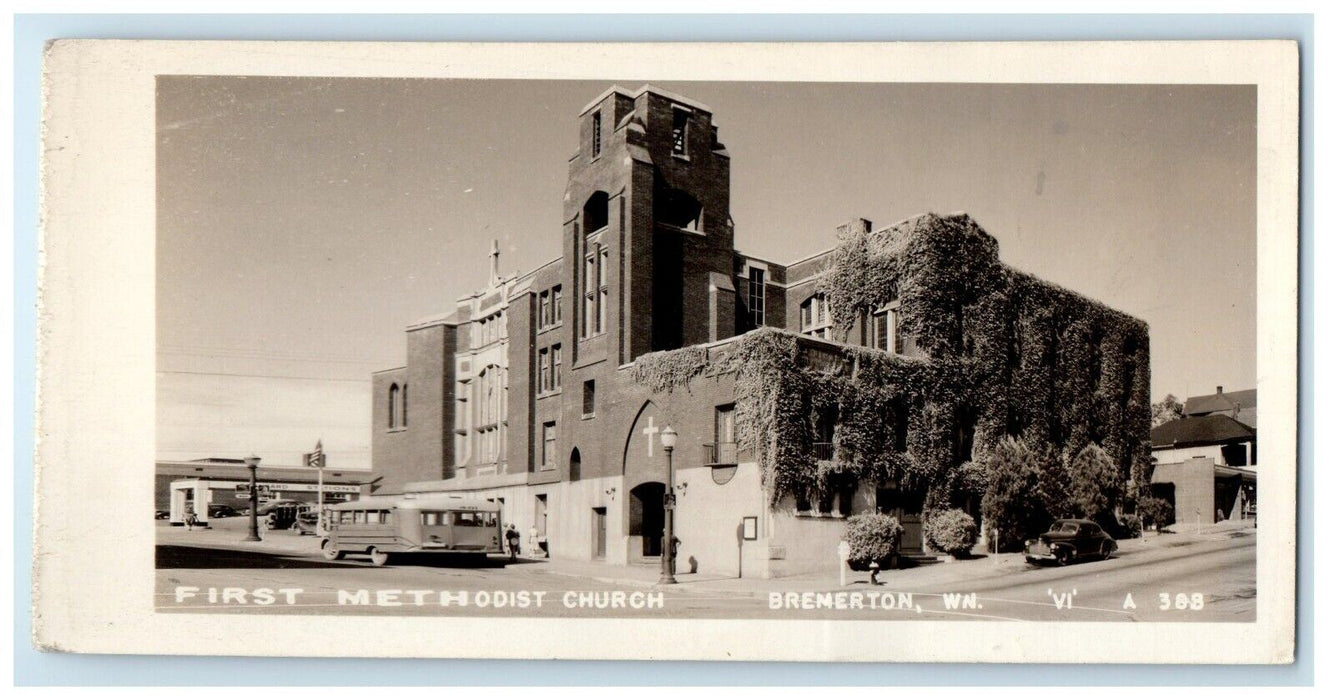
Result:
[
  {"x": 223, "y": 511},
  {"x": 162, "y": 515},
  {"x": 281, "y": 503},
  {"x": 1069, "y": 540}
]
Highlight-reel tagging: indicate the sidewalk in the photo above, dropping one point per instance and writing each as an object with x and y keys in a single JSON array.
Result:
[
  {"x": 915, "y": 577},
  {"x": 230, "y": 533}
]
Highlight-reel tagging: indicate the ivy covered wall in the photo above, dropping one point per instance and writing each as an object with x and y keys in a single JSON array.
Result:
[{"x": 1000, "y": 353}]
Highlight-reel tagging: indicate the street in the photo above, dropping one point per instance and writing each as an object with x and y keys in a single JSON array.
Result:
[{"x": 1185, "y": 579}]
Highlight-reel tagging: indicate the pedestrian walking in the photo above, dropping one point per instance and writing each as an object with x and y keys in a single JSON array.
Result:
[
  {"x": 512, "y": 540},
  {"x": 533, "y": 540},
  {"x": 190, "y": 518}
]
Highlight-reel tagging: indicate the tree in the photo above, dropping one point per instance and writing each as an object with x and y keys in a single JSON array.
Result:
[
  {"x": 1054, "y": 481},
  {"x": 1166, "y": 410},
  {"x": 1095, "y": 484},
  {"x": 1013, "y": 504}
]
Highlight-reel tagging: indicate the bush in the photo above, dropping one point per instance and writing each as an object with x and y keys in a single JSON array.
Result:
[
  {"x": 951, "y": 531},
  {"x": 1155, "y": 512},
  {"x": 1013, "y": 504},
  {"x": 1128, "y": 527},
  {"x": 872, "y": 537}
]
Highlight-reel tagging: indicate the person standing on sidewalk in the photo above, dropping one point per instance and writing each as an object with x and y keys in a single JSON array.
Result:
[{"x": 512, "y": 540}]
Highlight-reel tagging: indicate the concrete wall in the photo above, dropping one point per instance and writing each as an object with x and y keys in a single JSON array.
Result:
[
  {"x": 1193, "y": 489},
  {"x": 804, "y": 544},
  {"x": 709, "y": 519},
  {"x": 1181, "y": 454}
]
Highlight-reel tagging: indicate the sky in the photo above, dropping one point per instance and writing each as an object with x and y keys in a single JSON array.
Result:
[{"x": 304, "y": 222}]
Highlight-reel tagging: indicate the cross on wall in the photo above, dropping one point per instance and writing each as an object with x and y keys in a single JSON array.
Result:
[{"x": 649, "y": 432}]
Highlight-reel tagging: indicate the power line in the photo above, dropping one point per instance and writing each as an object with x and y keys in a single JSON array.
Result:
[
  {"x": 272, "y": 358},
  {"x": 261, "y": 376}
]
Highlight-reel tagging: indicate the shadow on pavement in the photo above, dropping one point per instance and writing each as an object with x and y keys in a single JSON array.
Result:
[
  {"x": 443, "y": 561},
  {"x": 174, "y": 556}
]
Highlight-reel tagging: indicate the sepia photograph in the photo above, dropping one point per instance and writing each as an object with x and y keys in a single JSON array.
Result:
[{"x": 624, "y": 347}]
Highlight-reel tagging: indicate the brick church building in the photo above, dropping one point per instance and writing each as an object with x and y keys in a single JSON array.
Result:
[{"x": 548, "y": 391}]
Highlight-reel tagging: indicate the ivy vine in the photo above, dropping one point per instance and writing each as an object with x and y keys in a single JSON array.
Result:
[{"x": 1002, "y": 353}]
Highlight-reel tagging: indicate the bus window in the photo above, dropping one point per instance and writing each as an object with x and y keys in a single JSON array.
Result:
[
  {"x": 433, "y": 518},
  {"x": 372, "y": 517},
  {"x": 358, "y": 517},
  {"x": 475, "y": 519}
]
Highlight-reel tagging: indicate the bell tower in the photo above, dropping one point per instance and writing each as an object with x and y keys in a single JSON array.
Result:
[{"x": 647, "y": 235}]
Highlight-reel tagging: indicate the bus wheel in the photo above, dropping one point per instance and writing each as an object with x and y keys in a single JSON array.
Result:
[
  {"x": 378, "y": 558},
  {"x": 330, "y": 552}
]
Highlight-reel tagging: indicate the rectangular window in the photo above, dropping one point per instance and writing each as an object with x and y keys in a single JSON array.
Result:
[
  {"x": 885, "y": 331},
  {"x": 892, "y": 331},
  {"x": 544, "y": 310},
  {"x": 590, "y": 296},
  {"x": 544, "y": 370},
  {"x": 756, "y": 296},
  {"x": 602, "y": 288},
  {"x": 556, "y": 304},
  {"x": 878, "y": 333},
  {"x": 549, "y": 444},
  {"x": 588, "y": 398},
  {"x": 597, "y": 145},
  {"x": 680, "y": 130},
  {"x": 725, "y": 423},
  {"x": 556, "y": 367},
  {"x": 815, "y": 318}
]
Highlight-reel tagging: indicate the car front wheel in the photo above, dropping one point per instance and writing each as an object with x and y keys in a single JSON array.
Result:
[
  {"x": 1063, "y": 557},
  {"x": 1105, "y": 550},
  {"x": 378, "y": 558}
]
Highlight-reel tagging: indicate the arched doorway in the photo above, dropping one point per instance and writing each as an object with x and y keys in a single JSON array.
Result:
[
  {"x": 575, "y": 464},
  {"x": 646, "y": 518}
]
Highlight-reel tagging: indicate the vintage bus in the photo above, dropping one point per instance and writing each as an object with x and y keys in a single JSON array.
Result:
[{"x": 379, "y": 526}]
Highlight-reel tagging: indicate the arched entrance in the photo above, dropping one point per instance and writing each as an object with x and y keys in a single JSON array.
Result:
[
  {"x": 646, "y": 518},
  {"x": 575, "y": 464}
]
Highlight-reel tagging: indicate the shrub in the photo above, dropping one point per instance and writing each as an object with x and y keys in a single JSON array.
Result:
[
  {"x": 1128, "y": 526},
  {"x": 1096, "y": 485},
  {"x": 872, "y": 537},
  {"x": 951, "y": 531},
  {"x": 1012, "y": 504},
  {"x": 1155, "y": 512}
]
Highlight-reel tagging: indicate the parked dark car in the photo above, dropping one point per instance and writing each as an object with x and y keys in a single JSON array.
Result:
[
  {"x": 223, "y": 511},
  {"x": 282, "y": 503},
  {"x": 1069, "y": 540},
  {"x": 161, "y": 515}
]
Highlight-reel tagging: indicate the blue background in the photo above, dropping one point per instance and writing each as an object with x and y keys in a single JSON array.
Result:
[{"x": 31, "y": 32}]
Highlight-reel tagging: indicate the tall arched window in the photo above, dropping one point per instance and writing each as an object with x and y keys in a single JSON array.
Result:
[{"x": 393, "y": 405}]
